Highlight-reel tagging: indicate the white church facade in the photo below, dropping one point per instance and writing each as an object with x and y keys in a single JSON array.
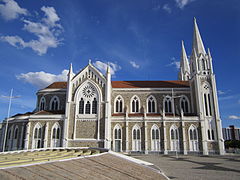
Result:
[{"x": 91, "y": 110}]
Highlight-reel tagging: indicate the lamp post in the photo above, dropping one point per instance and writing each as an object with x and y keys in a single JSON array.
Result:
[
  {"x": 175, "y": 132},
  {"x": 8, "y": 115}
]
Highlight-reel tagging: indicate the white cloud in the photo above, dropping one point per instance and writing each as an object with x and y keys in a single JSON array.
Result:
[
  {"x": 234, "y": 117},
  {"x": 47, "y": 32},
  {"x": 51, "y": 16},
  {"x": 226, "y": 98},
  {"x": 42, "y": 79},
  {"x": 134, "y": 64},
  {"x": 182, "y": 3},
  {"x": 11, "y": 10},
  {"x": 220, "y": 92},
  {"x": 167, "y": 8},
  {"x": 103, "y": 67},
  {"x": 174, "y": 63}
]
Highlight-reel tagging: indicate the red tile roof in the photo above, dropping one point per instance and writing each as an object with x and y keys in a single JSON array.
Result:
[
  {"x": 150, "y": 84},
  {"x": 49, "y": 112},
  {"x": 57, "y": 85},
  {"x": 132, "y": 84}
]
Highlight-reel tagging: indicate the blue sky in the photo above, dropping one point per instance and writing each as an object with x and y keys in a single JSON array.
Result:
[{"x": 141, "y": 39}]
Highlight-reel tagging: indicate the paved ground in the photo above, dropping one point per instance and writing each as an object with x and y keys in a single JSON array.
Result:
[
  {"x": 196, "y": 167},
  {"x": 104, "y": 166}
]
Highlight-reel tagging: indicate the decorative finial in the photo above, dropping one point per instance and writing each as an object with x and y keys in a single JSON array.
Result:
[{"x": 89, "y": 61}]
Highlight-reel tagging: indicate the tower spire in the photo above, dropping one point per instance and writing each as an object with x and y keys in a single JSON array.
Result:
[
  {"x": 184, "y": 65},
  {"x": 197, "y": 40},
  {"x": 70, "y": 69}
]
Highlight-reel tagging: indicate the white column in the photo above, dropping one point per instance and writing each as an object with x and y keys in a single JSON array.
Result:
[
  {"x": 2, "y": 138},
  {"x": 127, "y": 141},
  {"x": 98, "y": 120},
  {"x": 204, "y": 137},
  {"x": 146, "y": 136},
  {"x": 46, "y": 135},
  {"x": 217, "y": 119},
  {"x": 107, "y": 141},
  {"x": 184, "y": 139},
  {"x": 68, "y": 106},
  {"x": 165, "y": 137},
  {"x": 21, "y": 138},
  {"x": 26, "y": 141}
]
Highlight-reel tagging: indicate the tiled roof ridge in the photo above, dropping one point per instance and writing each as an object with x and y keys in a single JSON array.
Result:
[{"x": 131, "y": 84}]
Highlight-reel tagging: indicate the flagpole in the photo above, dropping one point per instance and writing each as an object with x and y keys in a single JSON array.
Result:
[{"x": 6, "y": 127}]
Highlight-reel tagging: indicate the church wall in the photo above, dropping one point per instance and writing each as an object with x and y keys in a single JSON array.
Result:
[
  {"x": 160, "y": 126},
  {"x": 123, "y": 126},
  {"x": 102, "y": 121},
  {"x": 130, "y": 128},
  {"x": 198, "y": 126},
  {"x": 48, "y": 96},
  {"x": 15, "y": 144},
  {"x": 143, "y": 100},
  {"x": 71, "y": 120},
  {"x": 86, "y": 129},
  {"x": 84, "y": 144}
]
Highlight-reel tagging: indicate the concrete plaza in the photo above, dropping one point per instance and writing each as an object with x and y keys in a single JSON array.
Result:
[{"x": 196, "y": 167}]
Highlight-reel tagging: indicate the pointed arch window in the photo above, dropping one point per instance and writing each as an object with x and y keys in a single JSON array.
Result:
[
  {"x": 87, "y": 108},
  {"x": 135, "y": 104},
  {"x": 9, "y": 134},
  {"x": 193, "y": 138},
  {"x": 42, "y": 105},
  {"x": 136, "y": 138},
  {"x": 184, "y": 104},
  {"x": 56, "y": 135},
  {"x": 37, "y": 143},
  {"x": 151, "y": 104},
  {"x": 213, "y": 138},
  {"x": 54, "y": 103},
  {"x": 94, "y": 106},
  {"x": 155, "y": 140},
  {"x": 119, "y": 105},
  {"x": 168, "y": 105},
  {"x": 174, "y": 138},
  {"x": 203, "y": 64},
  {"x": 81, "y": 106},
  {"x": 16, "y": 133},
  {"x": 209, "y": 105},
  {"x": 209, "y": 135}
]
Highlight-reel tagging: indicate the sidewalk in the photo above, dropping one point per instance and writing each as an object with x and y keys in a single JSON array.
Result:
[{"x": 196, "y": 167}]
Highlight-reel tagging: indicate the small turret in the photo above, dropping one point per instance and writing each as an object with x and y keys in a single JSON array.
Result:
[
  {"x": 197, "y": 40},
  {"x": 184, "y": 73}
]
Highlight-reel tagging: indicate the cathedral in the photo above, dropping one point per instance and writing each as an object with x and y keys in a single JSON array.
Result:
[{"x": 91, "y": 110}]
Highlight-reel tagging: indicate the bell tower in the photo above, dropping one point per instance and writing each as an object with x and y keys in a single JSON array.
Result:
[{"x": 204, "y": 92}]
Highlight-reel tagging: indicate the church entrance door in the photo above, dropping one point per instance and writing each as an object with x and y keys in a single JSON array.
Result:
[{"x": 117, "y": 145}]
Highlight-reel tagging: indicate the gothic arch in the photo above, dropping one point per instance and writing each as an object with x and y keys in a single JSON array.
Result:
[
  {"x": 184, "y": 104},
  {"x": 88, "y": 92},
  {"x": 207, "y": 99},
  {"x": 37, "y": 139},
  {"x": 119, "y": 104},
  {"x": 117, "y": 138},
  {"x": 56, "y": 135},
  {"x": 42, "y": 104},
  {"x": 174, "y": 138},
  {"x": 135, "y": 104},
  {"x": 193, "y": 138},
  {"x": 136, "y": 138},
  {"x": 54, "y": 103},
  {"x": 151, "y": 103},
  {"x": 167, "y": 104},
  {"x": 155, "y": 138}
]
